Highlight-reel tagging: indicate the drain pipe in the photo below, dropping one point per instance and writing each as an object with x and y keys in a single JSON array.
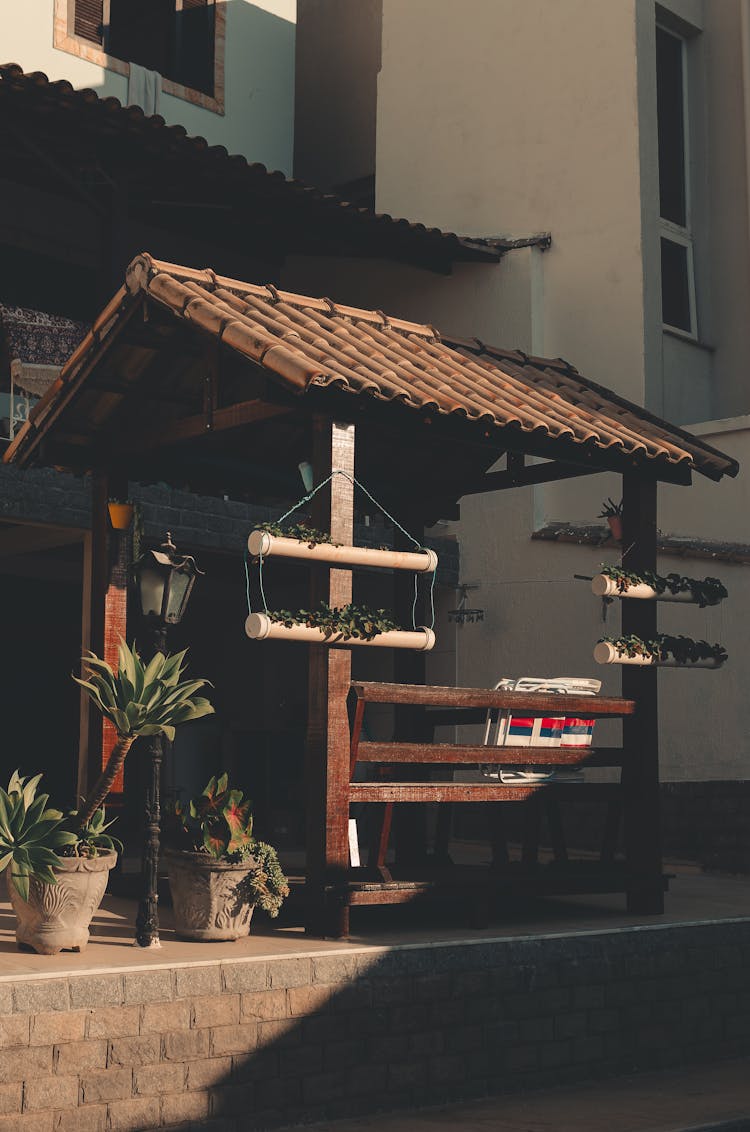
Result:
[{"x": 745, "y": 45}]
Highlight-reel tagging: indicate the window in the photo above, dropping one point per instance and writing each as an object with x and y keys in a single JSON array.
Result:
[
  {"x": 677, "y": 273},
  {"x": 181, "y": 39}
]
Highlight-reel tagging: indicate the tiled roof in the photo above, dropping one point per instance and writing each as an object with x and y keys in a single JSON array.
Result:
[
  {"x": 312, "y": 214},
  {"x": 312, "y": 343}
]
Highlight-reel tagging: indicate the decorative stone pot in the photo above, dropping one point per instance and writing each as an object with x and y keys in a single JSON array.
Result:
[
  {"x": 211, "y": 899},
  {"x": 56, "y": 917}
]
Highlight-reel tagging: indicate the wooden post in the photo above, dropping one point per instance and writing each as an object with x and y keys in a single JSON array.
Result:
[
  {"x": 95, "y": 578},
  {"x": 327, "y": 746},
  {"x": 640, "y": 775}
]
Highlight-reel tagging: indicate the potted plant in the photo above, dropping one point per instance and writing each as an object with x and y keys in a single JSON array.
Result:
[
  {"x": 615, "y": 581},
  {"x": 218, "y": 872},
  {"x": 348, "y": 624},
  {"x": 57, "y": 870},
  {"x": 120, "y": 513},
  {"x": 664, "y": 650},
  {"x": 612, "y": 512}
]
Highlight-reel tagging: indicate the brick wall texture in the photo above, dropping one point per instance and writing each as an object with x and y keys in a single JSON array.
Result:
[{"x": 254, "y": 1044}]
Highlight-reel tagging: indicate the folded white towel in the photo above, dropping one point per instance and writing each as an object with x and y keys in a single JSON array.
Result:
[{"x": 144, "y": 89}]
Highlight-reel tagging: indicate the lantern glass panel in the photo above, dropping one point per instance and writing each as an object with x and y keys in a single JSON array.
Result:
[
  {"x": 151, "y": 587},
  {"x": 178, "y": 592}
]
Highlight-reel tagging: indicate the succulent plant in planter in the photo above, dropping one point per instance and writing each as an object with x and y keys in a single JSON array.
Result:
[
  {"x": 612, "y": 512},
  {"x": 57, "y": 870},
  {"x": 218, "y": 872}
]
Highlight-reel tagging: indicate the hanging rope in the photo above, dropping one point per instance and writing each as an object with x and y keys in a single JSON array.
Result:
[{"x": 306, "y": 499}]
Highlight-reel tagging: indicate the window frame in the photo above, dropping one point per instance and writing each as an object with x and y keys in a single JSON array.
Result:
[
  {"x": 668, "y": 229},
  {"x": 66, "y": 40}
]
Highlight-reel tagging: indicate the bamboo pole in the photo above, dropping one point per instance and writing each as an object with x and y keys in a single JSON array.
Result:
[
  {"x": 261, "y": 542},
  {"x": 260, "y": 627}
]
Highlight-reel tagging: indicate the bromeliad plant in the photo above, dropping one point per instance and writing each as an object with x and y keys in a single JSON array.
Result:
[
  {"x": 348, "y": 620},
  {"x": 138, "y": 699},
  {"x": 219, "y": 823}
]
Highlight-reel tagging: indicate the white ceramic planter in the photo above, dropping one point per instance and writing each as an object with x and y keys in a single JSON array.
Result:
[
  {"x": 603, "y": 586},
  {"x": 605, "y": 653},
  {"x": 275, "y": 546},
  {"x": 56, "y": 917},
  {"x": 211, "y": 899},
  {"x": 260, "y": 627}
]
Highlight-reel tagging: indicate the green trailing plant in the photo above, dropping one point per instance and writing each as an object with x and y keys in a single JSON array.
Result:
[
  {"x": 32, "y": 834},
  {"x": 300, "y": 531},
  {"x": 138, "y": 699},
  {"x": 683, "y": 649},
  {"x": 219, "y": 823},
  {"x": 349, "y": 621},
  {"x": 610, "y": 509},
  {"x": 706, "y": 591}
]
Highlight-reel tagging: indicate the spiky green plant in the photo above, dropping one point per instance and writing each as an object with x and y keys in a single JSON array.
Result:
[
  {"x": 31, "y": 833},
  {"x": 139, "y": 699}
]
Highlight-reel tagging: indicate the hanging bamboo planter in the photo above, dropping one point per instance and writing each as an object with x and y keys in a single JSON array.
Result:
[
  {"x": 602, "y": 586},
  {"x": 277, "y": 546},
  {"x": 260, "y": 627},
  {"x": 606, "y": 653}
]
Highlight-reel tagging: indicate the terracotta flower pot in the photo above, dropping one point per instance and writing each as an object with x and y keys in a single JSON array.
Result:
[
  {"x": 212, "y": 900},
  {"x": 56, "y": 917},
  {"x": 120, "y": 515},
  {"x": 615, "y": 526}
]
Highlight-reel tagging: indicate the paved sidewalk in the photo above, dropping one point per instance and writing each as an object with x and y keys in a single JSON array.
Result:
[{"x": 691, "y": 1100}]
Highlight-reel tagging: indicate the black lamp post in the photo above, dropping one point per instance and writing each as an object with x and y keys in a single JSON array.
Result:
[{"x": 164, "y": 581}]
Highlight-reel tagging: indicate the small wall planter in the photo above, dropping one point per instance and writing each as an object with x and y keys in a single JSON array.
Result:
[
  {"x": 260, "y": 627},
  {"x": 212, "y": 899},
  {"x": 605, "y": 653},
  {"x": 120, "y": 515},
  {"x": 275, "y": 546},
  {"x": 56, "y": 917},
  {"x": 602, "y": 586}
]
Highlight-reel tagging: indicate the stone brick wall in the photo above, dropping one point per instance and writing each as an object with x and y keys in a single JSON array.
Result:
[{"x": 253, "y": 1044}]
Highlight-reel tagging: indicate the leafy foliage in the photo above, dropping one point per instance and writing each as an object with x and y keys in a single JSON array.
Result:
[
  {"x": 610, "y": 508},
  {"x": 299, "y": 531},
  {"x": 92, "y": 837},
  {"x": 219, "y": 822},
  {"x": 348, "y": 620},
  {"x": 144, "y": 699},
  {"x": 31, "y": 833},
  {"x": 708, "y": 591},
  {"x": 683, "y": 649}
]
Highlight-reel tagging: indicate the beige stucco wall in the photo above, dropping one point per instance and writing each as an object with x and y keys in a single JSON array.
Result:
[{"x": 259, "y": 69}]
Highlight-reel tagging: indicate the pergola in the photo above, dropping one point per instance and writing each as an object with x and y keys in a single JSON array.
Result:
[{"x": 187, "y": 375}]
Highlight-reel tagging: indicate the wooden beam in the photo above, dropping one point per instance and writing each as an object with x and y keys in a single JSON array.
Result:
[
  {"x": 469, "y": 791},
  {"x": 640, "y": 775},
  {"x": 547, "y": 472},
  {"x": 327, "y": 747},
  {"x": 528, "y": 703},
  {"x": 24, "y": 538},
  {"x": 220, "y": 420},
  {"x": 470, "y": 754}
]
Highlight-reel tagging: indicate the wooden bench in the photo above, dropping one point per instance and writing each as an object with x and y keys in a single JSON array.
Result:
[{"x": 408, "y": 763}]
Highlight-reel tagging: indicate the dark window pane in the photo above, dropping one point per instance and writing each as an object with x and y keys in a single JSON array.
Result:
[
  {"x": 671, "y": 126},
  {"x": 675, "y": 286},
  {"x": 142, "y": 31},
  {"x": 194, "y": 40}
]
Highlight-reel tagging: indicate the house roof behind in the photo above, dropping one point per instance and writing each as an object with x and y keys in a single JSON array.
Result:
[
  {"x": 310, "y": 343},
  {"x": 68, "y": 125}
]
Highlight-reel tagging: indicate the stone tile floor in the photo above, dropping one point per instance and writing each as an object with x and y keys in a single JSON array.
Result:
[{"x": 694, "y": 897}]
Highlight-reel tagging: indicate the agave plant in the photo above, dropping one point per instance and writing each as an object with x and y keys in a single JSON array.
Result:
[
  {"x": 31, "y": 833},
  {"x": 139, "y": 699}
]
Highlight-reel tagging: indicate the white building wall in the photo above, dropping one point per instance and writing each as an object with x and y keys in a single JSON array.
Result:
[{"x": 259, "y": 72}]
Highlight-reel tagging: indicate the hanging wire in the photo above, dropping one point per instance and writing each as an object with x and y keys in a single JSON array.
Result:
[{"x": 306, "y": 499}]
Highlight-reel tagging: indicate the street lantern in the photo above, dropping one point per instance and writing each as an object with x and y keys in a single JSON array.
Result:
[{"x": 164, "y": 581}]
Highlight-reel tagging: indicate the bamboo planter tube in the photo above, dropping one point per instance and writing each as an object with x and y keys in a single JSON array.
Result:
[
  {"x": 602, "y": 586},
  {"x": 605, "y": 653},
  {"x": 260, "y": 627},
  {"x": 275, "y": 546}
]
